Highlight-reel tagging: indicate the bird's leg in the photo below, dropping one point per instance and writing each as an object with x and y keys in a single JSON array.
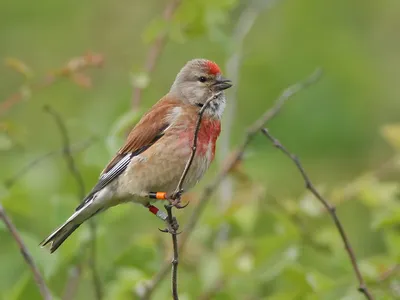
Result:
[
  {"x": 174, "y": 199},
  {"x": 158, "y": 213},
  {"x": 171, "y": 226}
]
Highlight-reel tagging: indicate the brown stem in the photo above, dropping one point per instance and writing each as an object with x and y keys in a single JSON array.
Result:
[
  {"x": 330, "y": 208},
  {"x": 44, "y": 290},
  {"x": 77, "y": 147},
  {"x": 194, "y": 143},
  {"x": 76, "y": 174},
  {"x": 175, "y": 259}
]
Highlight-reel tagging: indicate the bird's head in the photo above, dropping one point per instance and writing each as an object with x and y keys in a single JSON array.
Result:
[{"x": 199, "y": 80}]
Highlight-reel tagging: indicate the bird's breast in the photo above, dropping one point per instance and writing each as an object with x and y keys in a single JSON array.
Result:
[{"x": 206, "y": 138}]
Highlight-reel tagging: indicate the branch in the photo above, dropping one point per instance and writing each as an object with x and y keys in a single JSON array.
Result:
[
  {"x": 175, "y": 259},
  {"x": 329, "y": 207},
  {"x": 194, "y": 144},
  {"x": 80, "y": 146},
  {"x": 229, "y": 164},
  {"x": 81, "y": 194},
  {"x": 237, "y": 155},
  {"x": 154, "y": 52},
  {"x": 44, "y": 290},
  {"x": 177, "y": 194},
  {"x": 71, "y": 68}
]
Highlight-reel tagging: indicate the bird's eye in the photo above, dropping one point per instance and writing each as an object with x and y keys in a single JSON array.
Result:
[{"x": 202, "y": 79}]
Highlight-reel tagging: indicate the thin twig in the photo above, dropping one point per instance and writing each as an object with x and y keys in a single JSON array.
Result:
[
  {"x": 194, "y": 143},
  {"x": 67, "y": 151},
  {"x": 177, "y": 194},
  {"x": 329, "y": 207},
  {"x": 44, "y": 290},
  {"x": 175, "y": 259},
  {"x": 154, "y": 52},
  {"x": 81, "y": 195},
  {"x": 77, "y": 147},
  {"x": 230, "y": 163}
]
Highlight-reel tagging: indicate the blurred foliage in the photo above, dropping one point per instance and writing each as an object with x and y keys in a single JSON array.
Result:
[{"x": 281, "y": 243}]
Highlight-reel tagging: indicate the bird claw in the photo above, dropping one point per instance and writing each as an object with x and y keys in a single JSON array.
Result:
[
  {"x": 177, "y": 203},
  {"x": 172, "y": 227},
  {"x": 175, "y": 200}
]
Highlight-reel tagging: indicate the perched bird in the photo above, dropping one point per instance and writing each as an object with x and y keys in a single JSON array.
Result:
[{"x": 150, "y": 163}]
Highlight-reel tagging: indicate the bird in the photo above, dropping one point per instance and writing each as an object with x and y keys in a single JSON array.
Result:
[{"x": 149, "y": 165}]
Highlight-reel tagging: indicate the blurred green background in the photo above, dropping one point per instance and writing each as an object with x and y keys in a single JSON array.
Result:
[{"x": 280, "y": 243}]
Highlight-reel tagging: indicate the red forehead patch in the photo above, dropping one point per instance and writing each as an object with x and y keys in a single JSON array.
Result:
[{"x": 213, "y": 67}]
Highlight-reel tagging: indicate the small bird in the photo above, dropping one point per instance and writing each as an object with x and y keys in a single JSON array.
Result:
[{"x": 150, "y": 163}]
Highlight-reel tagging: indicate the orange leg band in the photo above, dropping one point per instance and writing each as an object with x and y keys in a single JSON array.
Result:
[{"x": 158, "y": 195}]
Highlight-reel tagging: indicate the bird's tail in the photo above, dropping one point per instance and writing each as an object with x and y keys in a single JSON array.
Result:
[
  {"x": 64, "y": 231},
  {"x": 59, "y": 236}
]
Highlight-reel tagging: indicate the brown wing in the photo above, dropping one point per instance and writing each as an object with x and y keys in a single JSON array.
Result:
[{"x": 149, "y": 129}]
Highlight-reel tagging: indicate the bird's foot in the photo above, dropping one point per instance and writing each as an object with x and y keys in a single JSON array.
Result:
[
  {"x": 175, "y": 200},
  {"x": 172, "y": 226}
]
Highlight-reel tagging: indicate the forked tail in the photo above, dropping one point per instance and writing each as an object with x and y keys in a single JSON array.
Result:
[{"x": 58, "y": 237}]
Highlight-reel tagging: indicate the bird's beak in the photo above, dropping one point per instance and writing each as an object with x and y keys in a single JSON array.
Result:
[{"x": 222, "y": 84}]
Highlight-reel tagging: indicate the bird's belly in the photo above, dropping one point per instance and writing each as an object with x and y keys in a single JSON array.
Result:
[{"x": 160, "y": 169}]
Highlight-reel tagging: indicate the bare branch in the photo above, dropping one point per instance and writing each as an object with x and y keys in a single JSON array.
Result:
[
  {"x": 229, "y": 164},
  {"x": 81, "y": 195},
  {"x": 194, "y": 144},
  {"x": 177, "y": 195},
  {"x": 330, "y": 208},
  {"x": 44, "y": 290},
  {"x": 175, "y": 259},
  {"x": 154, "y": 52},
  {"x": 80, "y": 146}
]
